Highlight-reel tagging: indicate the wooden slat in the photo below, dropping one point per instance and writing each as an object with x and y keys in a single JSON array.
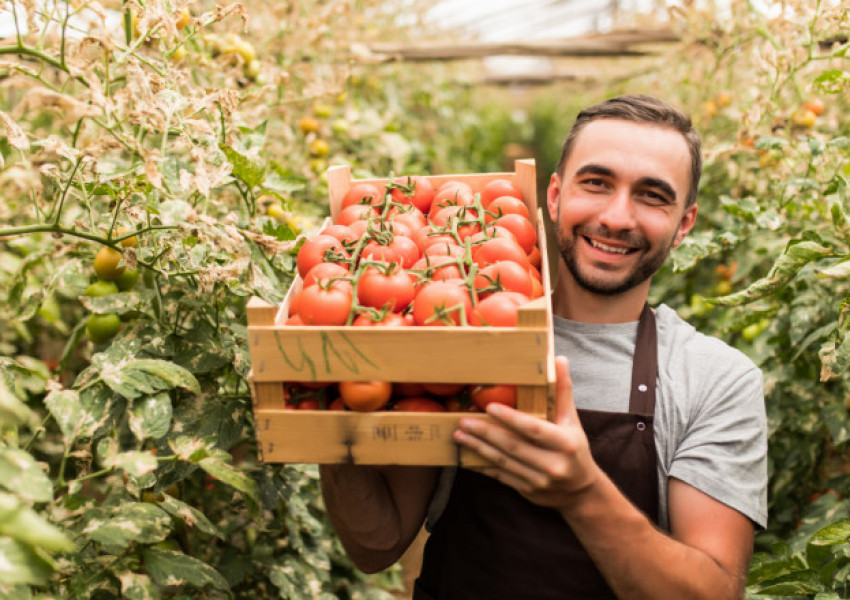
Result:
[
  {"x": 449, "y": 355},
  {"x": 331, "y": 437}
]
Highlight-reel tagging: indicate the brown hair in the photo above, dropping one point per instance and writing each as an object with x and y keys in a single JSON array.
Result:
[{"x": 641, "y": 109}]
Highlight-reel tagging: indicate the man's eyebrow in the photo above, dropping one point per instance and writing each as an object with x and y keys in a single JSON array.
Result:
[
  {"x": 594, "y": 169},
  {"x": 659, "y": 184}
]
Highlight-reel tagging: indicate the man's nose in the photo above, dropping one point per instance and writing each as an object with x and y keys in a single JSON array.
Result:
[{"x": 618, "y": 213}]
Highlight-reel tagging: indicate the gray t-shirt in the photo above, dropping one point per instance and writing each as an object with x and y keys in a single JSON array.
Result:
[{"x": 710, "y": 423}]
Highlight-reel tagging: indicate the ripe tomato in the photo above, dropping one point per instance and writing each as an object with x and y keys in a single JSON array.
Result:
[
  {"x": 444, "y": 389},
  {"x": 322, "y": 248},
  {"x": 336, "y": 404},
  {"x": 815, "y": 105},
  {"x": 498, "y": 188},
  {"x": 341, "y": 232},
  {"x": 390, "y": 288},
  {"x": 408, "y": 389},
  {"x": 499, "y": 309},
  {"x": 362, "y": 193},
  {"x": 440, "y": 303},
  {"x": 437, "y": 268},
  {"x": 387, "y": 319},
  {"x": 445, "y": 249},
  {"x": 456, "y": 196},
  {"x": 324, "y": 272},
  {"x": 355, "y": 212},
  {"x": 482, "y": 395},
  {"x": 499, "y": 248},
  {"x": 453, "y": 184},
  {"x": 106, "y": 264},
  {"x": 365, "y": 396},
  {"x": 415, "y": 190},
  {"x": 505, "y": 205},
  {"x": 425, "y": 238},
  {"x": 401, "y": 249},
  {"x": 464, "y": 216},
  {"x": 420, "y": 404},
  {"x": 508, "y": 275},
  {"x": 293, "y": 320},
  {"x": 325, "y": 305},
  {"x": 413, "y": 218},
  {"x": 534, "y": 258},
  {"x": 521, "y": 229},
  {"x": 537, "y": 288}
]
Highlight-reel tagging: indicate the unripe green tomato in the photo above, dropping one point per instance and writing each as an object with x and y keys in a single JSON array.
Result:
[
  {"x": 751, "y": 332},
  {"x": 127, "y": 280},
  {"x": 101, "y": 288},
  {"x": 102, "y": 328}
]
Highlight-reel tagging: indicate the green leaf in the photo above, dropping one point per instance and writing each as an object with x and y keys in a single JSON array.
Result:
[
  {"x": 190, "y": 516},
  {"x": 819, "y": 549},
  {"x": 21, "y": 474},
  {"x": 172, "y": 568},
  {"x": 233, "y": 477},
  {"x": 137, "y": 463},
  {"x": 19, "y": 563},
  {"x": 796, "y": 256},
  {"x": 764, "y": 566},
  {"x": 142, "y": 376},
  {"x": 693, "y": 248},
  {"x": 250, "y": 169},
  {"x": 20, "y": 522},
  {"x": 137, "y": 586},
  {"x": 122, "y": 303},
  {"x": 72, "y": 417},
  {"x": 150, "y": 416},
  {"x": 13, "y": 412},
  {"x": 129, "y": 522},
  {"x": 837, "y": 420},
  {"x": 804, "y": 581}
]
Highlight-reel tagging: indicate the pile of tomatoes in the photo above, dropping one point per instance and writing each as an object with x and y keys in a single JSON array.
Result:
[{"x": 414, "y": 254}]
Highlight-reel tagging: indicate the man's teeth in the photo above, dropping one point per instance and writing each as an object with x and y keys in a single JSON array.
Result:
[{"x": 607, "y": 248}]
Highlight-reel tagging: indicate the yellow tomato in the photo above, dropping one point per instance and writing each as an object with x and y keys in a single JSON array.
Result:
[
  {"x": 183, "y": 18},
  {"x": 804, "y": 118},
  {"x": 319, "y": 148},
  {"x": 308, "y": 124},
  {"x": 233, "y": 44},
  {"x": 106, "y": 264}
]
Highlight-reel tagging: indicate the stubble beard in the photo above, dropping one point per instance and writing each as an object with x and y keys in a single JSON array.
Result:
[{"x": 646, "y": 267}]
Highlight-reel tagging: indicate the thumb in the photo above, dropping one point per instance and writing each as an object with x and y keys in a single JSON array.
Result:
[{"x": 565, "y": 408}]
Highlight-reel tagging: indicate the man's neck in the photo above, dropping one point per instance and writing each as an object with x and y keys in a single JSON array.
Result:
[{"x": 571, "y": 301}]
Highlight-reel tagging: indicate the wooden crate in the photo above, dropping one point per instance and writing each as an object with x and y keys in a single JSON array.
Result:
[{"x": 522, "y": 355}]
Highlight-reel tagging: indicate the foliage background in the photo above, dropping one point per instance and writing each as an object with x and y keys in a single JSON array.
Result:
[{"x": 128, "y": 468}]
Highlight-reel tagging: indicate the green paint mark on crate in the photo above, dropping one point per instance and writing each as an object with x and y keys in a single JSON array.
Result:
[{"x": 306, "y": 361}]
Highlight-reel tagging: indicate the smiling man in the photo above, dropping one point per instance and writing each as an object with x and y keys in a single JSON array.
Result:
[{"x": 652, "y": 478}]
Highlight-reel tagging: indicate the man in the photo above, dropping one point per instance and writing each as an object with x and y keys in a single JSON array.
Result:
[{"x": 652, "y": 478}]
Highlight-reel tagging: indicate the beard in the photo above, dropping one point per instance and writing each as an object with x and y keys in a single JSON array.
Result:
[{"x": 646, "y": 267}]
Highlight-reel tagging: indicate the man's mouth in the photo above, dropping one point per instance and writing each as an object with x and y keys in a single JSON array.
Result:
[{"x": 608, "y": 248}]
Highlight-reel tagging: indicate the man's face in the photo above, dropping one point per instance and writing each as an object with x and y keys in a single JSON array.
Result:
[{"x": 619, "y": 207}]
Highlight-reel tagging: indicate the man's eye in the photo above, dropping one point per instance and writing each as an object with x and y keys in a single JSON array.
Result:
[
  {"x": 594, "y": 182},
  {"x": 655, "y": 197}
]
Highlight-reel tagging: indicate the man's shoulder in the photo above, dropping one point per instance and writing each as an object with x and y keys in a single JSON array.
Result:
[{"x": 679, "y": 339}]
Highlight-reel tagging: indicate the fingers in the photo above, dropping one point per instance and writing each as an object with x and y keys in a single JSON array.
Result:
[{"x": 565, "y": 408}]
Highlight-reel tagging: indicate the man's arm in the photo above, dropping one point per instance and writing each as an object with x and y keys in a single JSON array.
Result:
[
  {"x": 707, "y": 553},
  {"x": 377, "y": 511}
]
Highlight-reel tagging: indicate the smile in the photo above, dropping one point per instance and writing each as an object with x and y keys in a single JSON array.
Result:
[{"x": 610, "y": 249}]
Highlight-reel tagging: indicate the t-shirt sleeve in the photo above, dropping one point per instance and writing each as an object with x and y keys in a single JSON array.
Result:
[{"x": 724, "y": 450}]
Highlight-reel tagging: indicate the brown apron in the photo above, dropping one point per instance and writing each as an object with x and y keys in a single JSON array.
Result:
[{"x": 491, "y": 543}]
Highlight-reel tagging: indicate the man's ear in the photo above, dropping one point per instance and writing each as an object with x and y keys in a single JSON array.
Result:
[
  {"x": 553, "y": 197},
  {"x": 689, "y": 218}
]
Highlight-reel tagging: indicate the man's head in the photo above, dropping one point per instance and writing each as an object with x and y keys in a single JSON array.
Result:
[
  {"x": 640, "y": 108},
  {"x": 624, "y": 194}
]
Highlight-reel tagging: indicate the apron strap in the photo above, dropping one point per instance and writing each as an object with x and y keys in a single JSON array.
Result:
[{"x": 644, "y": 366}]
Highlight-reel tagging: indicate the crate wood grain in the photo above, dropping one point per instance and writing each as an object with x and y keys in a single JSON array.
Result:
[{"x": 522, "y": 355}]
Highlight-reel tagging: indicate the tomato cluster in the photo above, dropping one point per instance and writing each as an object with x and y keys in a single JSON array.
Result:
[
  {"x": 416, "y": 254},
  {"x": 112, "y": 277}
]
